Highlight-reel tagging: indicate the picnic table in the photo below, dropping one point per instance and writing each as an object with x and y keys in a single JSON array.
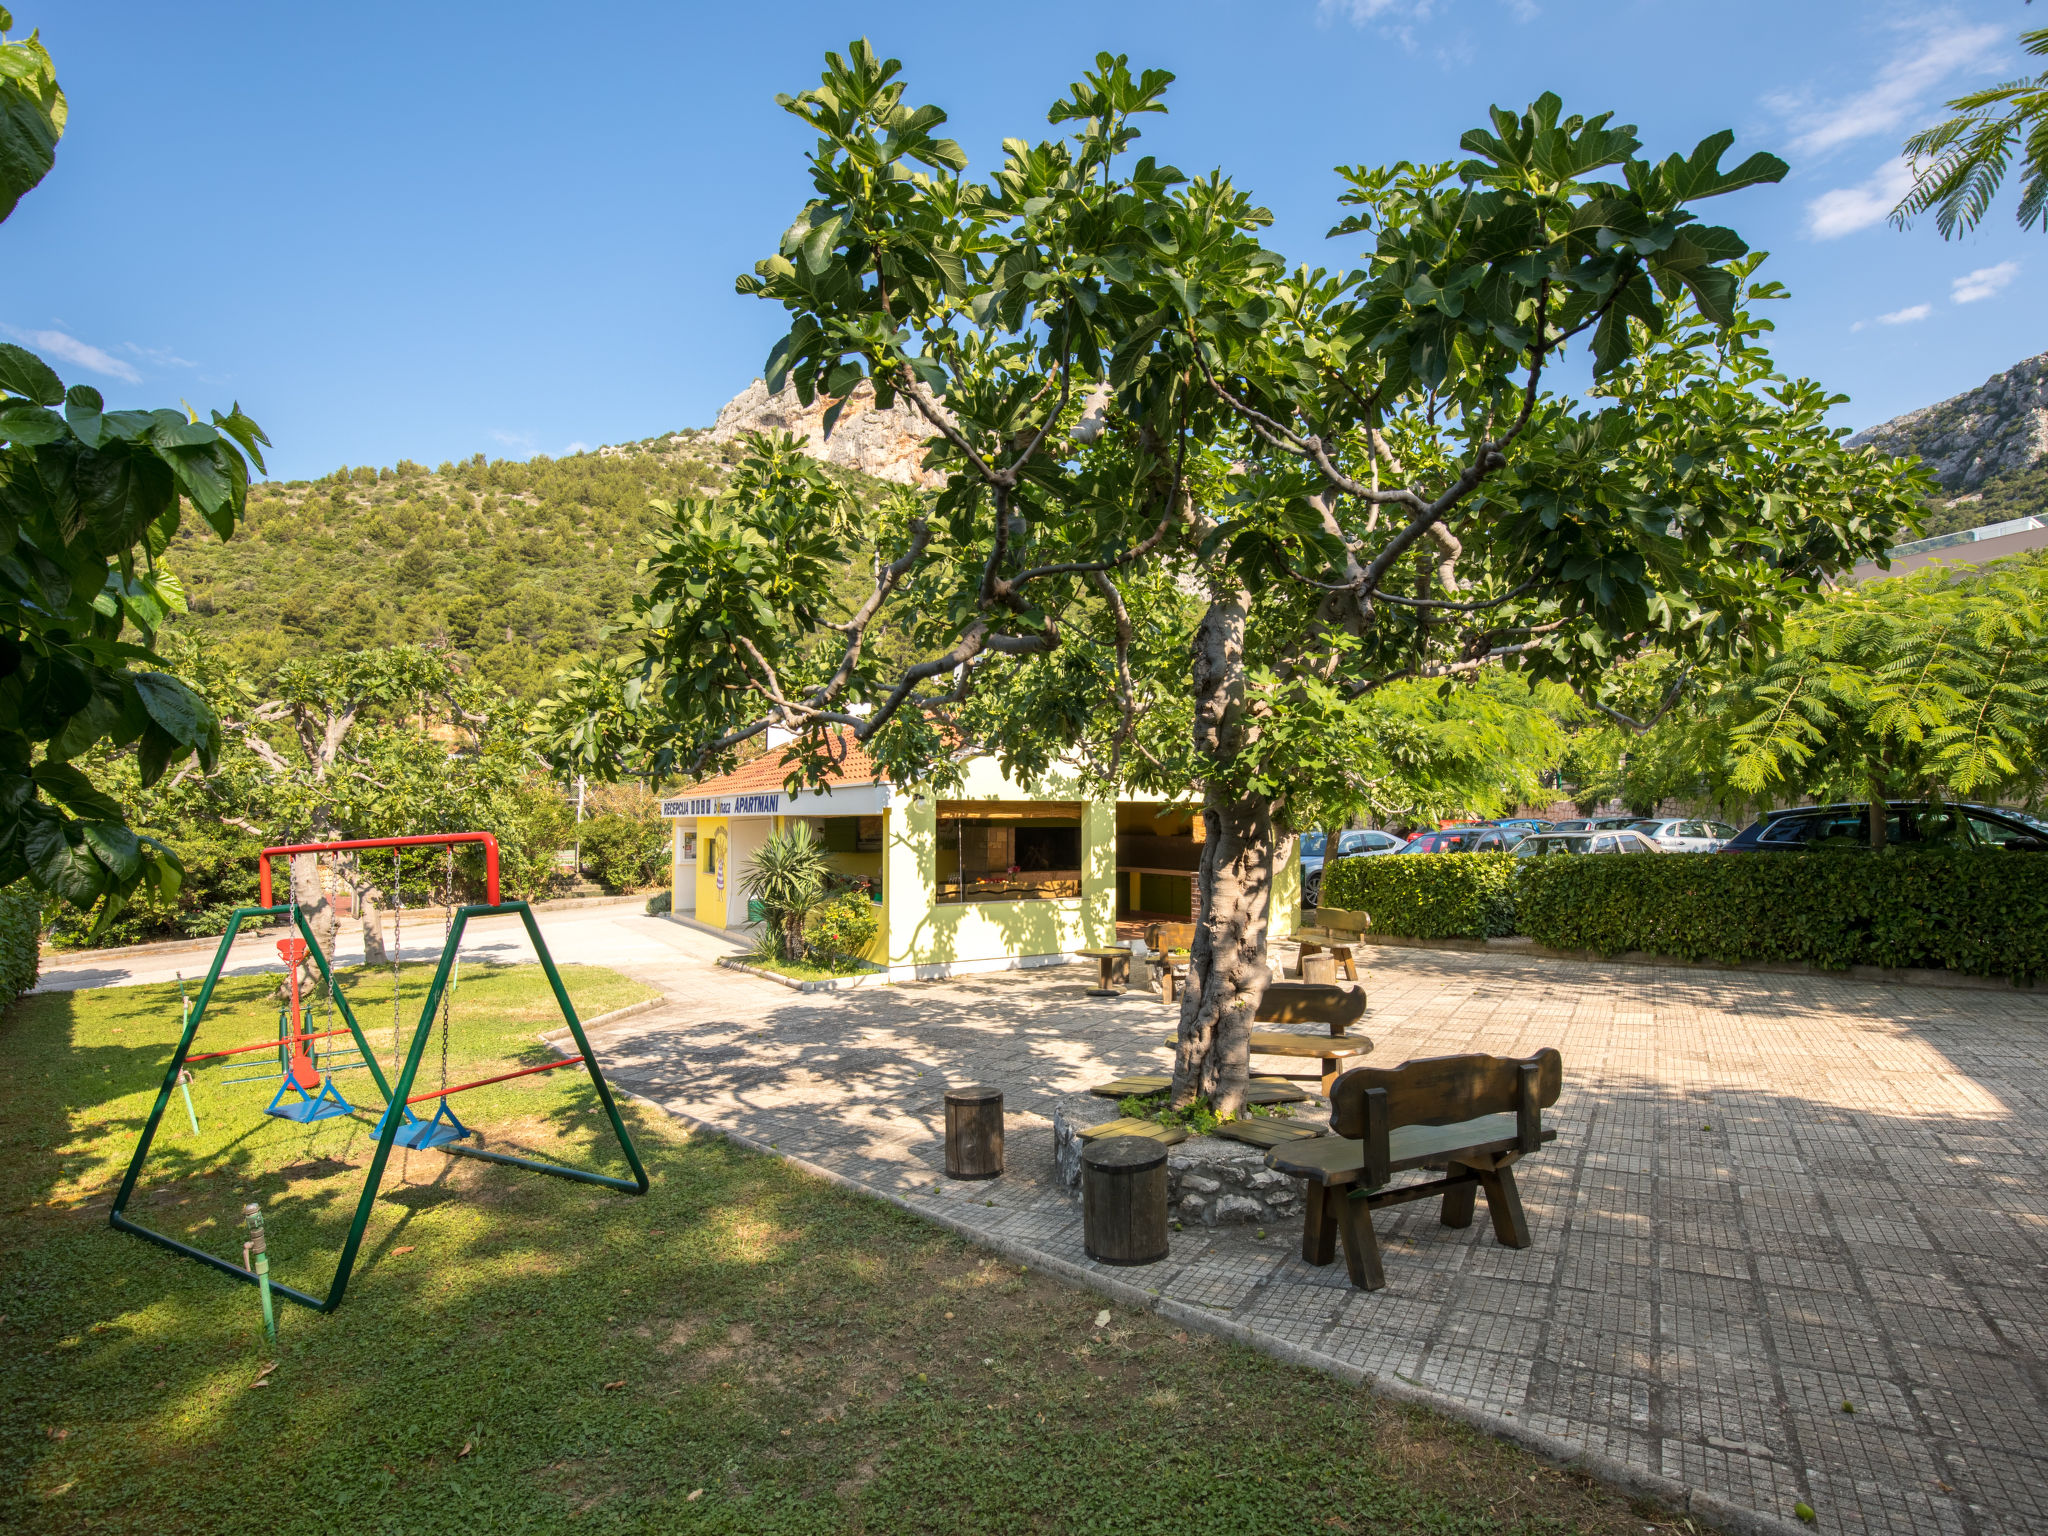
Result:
[{"x": 1115, "y": 968}]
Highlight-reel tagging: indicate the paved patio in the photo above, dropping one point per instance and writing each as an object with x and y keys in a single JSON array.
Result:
[{"x": 1771, "y": 1197}]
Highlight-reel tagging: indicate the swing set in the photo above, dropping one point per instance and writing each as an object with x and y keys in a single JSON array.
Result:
[{"x": 306, "y": 1068}]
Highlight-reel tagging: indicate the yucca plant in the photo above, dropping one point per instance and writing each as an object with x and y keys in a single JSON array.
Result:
[{"x": 788, "y": 878}]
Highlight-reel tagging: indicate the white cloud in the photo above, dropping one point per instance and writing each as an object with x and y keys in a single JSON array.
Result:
[
  {"x": 1399, "y": 18},
  {"x": 1933, "y": 50},
  {"x": 1848, "y": 209},
  {"x": 1904, "y": 316},
  {"x": 158, "y": 356},
  {"x": 512, "y": 439},
  {"x": 1983, "y": 282},
  {"x": 70, "y": 349},
  {"x": 575, "y": 448}
]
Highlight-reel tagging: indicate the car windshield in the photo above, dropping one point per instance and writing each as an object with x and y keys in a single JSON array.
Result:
[
  {"x": 2027, "y": 818},
  {"x": 1351, "y": 842},
  {"x": 1537, "y": 847},
  {"x": 1311, "y": 845},
  {"x": 1649, "y": 828}
]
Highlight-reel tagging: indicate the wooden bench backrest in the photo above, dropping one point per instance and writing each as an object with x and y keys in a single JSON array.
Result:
[
  {"x": 1310, "y": 1002},
  {"x": 1442, "y": 1090},
  {"x": 1169, "y": 936}
]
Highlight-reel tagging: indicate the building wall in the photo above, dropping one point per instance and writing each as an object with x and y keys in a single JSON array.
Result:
[
  {"x": 710, "y": 907},
  {"x": 925, "y": 939}
]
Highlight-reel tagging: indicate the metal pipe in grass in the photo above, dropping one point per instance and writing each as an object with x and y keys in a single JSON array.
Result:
[{"x": 257, "y": 1249}]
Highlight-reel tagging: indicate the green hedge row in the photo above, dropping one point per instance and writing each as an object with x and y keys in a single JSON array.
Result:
[
  {"x": 21, "y": 924},
  {"x": 1979, "y": 911},
  {"x": 1427, "y": 895}
]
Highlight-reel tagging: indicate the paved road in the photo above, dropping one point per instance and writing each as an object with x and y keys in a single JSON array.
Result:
[{"x": 652, "y": 949}]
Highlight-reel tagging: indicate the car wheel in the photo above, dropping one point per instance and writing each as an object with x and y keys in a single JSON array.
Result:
[{"x": 1312, "y": 889}]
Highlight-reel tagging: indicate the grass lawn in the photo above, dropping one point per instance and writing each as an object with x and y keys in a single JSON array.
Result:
[{"x": 743, "y": 1350}]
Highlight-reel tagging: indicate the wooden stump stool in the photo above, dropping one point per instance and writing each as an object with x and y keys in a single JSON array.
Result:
[
  {"x": 974, "y": 1132},
  {"x": 1319, "y": 968},
  {"x": 1123, "y": 1200}
]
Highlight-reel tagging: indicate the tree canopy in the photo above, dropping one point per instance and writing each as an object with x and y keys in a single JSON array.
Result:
[
  {"x": 1960, "y": 164},
  {"x": 1201, "y": 506}
]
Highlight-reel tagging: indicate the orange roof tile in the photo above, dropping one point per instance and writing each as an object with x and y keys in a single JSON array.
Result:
[{"x": 768, "y": 771}]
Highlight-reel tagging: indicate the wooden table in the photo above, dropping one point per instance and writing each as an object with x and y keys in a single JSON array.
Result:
[
  {"x": 1337, "y": 1055},
  {"x": 1116, "y": 968}
]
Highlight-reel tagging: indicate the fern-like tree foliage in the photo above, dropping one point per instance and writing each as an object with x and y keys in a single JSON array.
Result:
[
  {"x": 1925, "y": 685},
  {"x": 1959, "y": 165}
]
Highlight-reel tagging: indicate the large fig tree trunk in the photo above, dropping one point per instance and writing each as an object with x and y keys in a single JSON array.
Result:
[{"x": 1227, "y": 970}]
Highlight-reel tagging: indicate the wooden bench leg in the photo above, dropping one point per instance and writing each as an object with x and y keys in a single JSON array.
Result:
[
  {"x": 1504, "y": 1205},
  {"x": 1459, "y": 1202},
  {"x": 1319, "y": 1224},
  {"x": 1361, "y": 1244},
  {"x": 1348, "y": 965}
]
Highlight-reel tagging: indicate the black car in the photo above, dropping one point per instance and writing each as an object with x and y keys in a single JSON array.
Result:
[{"x": 1912, "y": 824}]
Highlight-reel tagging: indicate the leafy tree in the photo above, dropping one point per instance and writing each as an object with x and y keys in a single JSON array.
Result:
[
  {"x": 1960, "y": 164},
  {"x": 1201, "y": 507},
  {"x": 89, "y": 501},
  {"x": 1925, "y": 685}
]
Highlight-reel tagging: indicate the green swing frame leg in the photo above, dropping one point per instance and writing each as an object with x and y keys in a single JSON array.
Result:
[{"x": 394, "y": 1098}]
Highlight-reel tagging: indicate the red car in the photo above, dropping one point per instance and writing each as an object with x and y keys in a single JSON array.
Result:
[{"x": 1470, "y": 839}]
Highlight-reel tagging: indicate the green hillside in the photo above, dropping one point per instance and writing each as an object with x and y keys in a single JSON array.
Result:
[
  {"x": 2020, "y": 493},
  {"x": 516, "y": 566}
]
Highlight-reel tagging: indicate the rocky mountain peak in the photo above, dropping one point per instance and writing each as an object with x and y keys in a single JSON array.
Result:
[
  {"x": 888, "y": 444},
  {"x": 1998, "y": 428}
]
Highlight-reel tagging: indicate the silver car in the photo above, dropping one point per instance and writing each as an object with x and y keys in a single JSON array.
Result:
[
  {"x": 1544, "y": 844},
  {"x": 1679, "y": 835}
]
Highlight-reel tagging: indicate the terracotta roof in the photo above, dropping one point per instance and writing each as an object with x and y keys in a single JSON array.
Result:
[{"x": 768, "y": 771}]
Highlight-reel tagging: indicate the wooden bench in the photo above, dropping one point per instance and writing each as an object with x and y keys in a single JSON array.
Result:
[
  {"x": 1334, "y": 1054},
  {"x": 1312, "y": 1002},
  {"x": 1472, "y": 1117},
  {"x": 1345, "y": 954}
]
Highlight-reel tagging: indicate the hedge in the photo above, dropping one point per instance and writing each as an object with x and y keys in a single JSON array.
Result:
[
  {"x": 1427, "y": 895},
  {"x": 1979, "y": 911},
  {"x": 21, "y": 925}
]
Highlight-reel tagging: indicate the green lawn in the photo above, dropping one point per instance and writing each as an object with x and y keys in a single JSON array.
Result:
[{"x": 743, "y": 1350}]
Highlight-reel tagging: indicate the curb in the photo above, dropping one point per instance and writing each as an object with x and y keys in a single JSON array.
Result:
[
  {"x": 822, "y": 984},
  {"x": 1678, "y": 1496},
  {"x": 646, "y": 1005},
  {"x": 210, "y": 942},
  {"x": 1527, "y": 948}
]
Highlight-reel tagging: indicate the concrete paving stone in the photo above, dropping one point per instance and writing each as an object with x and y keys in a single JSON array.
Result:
[{"x": 1864, "y": 1219}]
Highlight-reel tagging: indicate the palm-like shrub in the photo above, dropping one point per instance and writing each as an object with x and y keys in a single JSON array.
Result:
[{"x": 787, "y": 877}]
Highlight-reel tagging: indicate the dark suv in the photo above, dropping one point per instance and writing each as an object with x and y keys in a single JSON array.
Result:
[{"x": 1912, "y": 824}]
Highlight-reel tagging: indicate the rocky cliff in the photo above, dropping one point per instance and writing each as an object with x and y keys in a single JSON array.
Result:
[
  {"x": 886, "y": 444},
  {"x": 1999, "y": 428}
]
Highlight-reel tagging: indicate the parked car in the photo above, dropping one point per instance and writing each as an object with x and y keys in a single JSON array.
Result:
[
  {"x": 1357, "y": 843},
  {"x": 1594, "y": 824},
  {"x": 1523, "y": 824},
  {"x": 1911, "y": 824},
  {"x": 1676, "y": 835},
  {"x": 1620, "y": 840},
  {"x": 1462, "y": 840}
]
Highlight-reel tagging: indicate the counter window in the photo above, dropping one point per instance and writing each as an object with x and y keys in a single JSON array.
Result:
[{"x": 1008, "y": 851}]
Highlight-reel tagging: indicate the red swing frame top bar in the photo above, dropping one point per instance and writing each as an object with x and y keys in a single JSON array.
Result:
[{"x": 490, "y": 856}]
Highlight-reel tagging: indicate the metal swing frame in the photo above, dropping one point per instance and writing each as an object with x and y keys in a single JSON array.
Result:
[{"x": 396, "y": 1099}]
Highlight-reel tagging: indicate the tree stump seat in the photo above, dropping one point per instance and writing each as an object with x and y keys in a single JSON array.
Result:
[
  {"x": 974, "y": 1132},
  {"x": 1123, "y": 1199}
]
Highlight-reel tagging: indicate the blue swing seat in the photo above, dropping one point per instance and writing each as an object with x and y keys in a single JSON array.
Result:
[
  {"x": 424, "y": 1135},
  {"x": 323, "y": 1105}
]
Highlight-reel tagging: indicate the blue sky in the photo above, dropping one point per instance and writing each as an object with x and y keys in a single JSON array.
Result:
[{"x": 427, "y": 230}]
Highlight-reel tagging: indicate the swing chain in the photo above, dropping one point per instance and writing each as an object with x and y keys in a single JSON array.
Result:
[
  {"x": 397, "y": 943},
  {"x": 447, "y": 992}
]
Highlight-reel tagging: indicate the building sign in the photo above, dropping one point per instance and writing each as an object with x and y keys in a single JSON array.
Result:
[
  {"x": 723, "y": 805},
  {"x": 858, "y": 800}
]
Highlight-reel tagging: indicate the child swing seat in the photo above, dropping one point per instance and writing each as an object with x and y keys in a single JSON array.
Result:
[{"x": 423, "y": 1135}]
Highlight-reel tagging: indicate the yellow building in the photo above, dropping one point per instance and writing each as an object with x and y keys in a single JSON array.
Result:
[{"x": 997, "y": 876}]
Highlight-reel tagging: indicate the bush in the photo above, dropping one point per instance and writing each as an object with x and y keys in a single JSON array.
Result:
[
  {"x": 220, "y": 875},
  {"x": 21, "y": 922},
  {"x": 1979, "y": 911},
  {"x": 1427, "y": 895},
  {"x": 844, "y": 926},
  {"x": 623, "y": 851}
]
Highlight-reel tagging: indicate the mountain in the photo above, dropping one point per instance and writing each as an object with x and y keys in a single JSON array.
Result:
[
  {"x": 887, "y": 444},
  {"x": 516, "y": 566},
  {"x": 1986, "y": 447}
]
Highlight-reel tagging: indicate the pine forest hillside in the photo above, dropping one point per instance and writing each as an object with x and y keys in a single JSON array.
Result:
[{"x": 516, "y": 567}]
